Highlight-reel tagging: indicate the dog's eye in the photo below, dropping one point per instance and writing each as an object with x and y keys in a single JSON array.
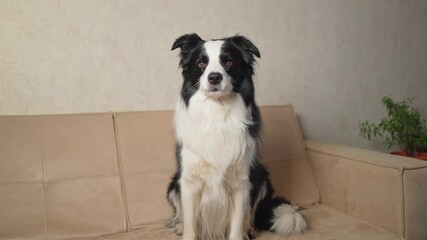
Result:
[
  {"x": 229, "y": 63},
  {"x": 201, "y": 64}
]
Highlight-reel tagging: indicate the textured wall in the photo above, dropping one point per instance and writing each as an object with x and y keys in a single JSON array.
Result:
[{"x": 332, "y": 59}]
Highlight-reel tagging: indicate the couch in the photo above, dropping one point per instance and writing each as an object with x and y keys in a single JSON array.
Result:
[{"x": 104, "y": 176}]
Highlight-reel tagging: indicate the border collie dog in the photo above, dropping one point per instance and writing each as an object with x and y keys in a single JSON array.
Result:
[{"x": 221, "y": 191}]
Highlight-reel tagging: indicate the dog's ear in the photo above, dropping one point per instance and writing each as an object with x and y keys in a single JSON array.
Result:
[
  {"x": 187, "y": 43},
  {"x": 246, "y": 47}
]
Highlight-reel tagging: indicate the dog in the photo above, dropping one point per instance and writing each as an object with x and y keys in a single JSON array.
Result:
[{"x": 221, "y": 190}]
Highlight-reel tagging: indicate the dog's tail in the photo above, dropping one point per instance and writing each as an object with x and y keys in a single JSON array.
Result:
[
  {"x": 286, "y": 220},
  {"x": 282, "y": 218}
]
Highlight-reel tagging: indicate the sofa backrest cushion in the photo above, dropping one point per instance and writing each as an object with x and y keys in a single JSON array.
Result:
[
  {"x": 147, "y": 158},
  {"x": 283, "y": 153},
  {"x": 59, "y": 177}
]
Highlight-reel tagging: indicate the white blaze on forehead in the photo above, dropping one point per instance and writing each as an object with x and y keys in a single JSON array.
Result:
[{"x": 213, "y": 50}]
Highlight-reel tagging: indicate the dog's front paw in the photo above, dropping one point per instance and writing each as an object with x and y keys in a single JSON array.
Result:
[
  {"x": 241, "y": 237},
  {"x": 189, "y": 236},
  {"x": 178, "y": 229},
  {"x": 176, "y": 226},
  {"x": 252, "y": 234}
]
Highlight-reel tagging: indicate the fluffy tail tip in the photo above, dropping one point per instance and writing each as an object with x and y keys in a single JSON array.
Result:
[{"x": 288, "y": 221}]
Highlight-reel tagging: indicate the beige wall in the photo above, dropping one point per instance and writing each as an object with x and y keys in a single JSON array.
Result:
[{"x": 332, "y": 59}]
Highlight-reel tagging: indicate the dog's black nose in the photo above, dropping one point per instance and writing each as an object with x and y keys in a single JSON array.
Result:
[{"x": 215, "y": 78}]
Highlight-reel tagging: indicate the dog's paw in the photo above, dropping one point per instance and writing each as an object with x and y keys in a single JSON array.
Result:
[
  {"x": 189, "y": 237},
  {"x": 176, "y": 226},
  {"x": 178, "y": 229},
  {"x": 252, "y": 234}
]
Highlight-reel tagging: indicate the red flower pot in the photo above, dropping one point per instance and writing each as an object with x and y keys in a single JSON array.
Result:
[{"x": 418, "y": 155}]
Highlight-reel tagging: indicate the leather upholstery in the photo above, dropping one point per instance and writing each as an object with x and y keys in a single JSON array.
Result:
[
  {"x": 104, "y": 176},
  {"x": 60, "y": 177},
  {"x": 383, "y": 189}
]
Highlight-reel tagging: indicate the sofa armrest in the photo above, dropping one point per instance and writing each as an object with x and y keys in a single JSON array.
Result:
[{"x": 386, "y": 190}]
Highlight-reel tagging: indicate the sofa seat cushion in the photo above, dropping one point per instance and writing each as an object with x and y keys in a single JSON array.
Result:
[{"x": 325, "y": 222}]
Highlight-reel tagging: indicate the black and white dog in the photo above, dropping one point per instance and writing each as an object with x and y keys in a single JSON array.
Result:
[{"x": 221, "y": 191}]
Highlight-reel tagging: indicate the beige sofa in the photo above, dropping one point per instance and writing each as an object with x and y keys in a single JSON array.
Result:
[{"x": 104, "y": 176}]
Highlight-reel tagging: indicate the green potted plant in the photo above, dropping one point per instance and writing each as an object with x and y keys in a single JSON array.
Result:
[{"x": 403, "y": 126}]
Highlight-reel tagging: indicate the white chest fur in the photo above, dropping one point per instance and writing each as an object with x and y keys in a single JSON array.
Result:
[
  {"x": 215, "y": 130},
  {"x": 216, "y": 155}
]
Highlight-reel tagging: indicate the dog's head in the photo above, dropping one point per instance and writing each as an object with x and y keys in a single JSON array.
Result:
[{"x": 217, "y": 68}]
